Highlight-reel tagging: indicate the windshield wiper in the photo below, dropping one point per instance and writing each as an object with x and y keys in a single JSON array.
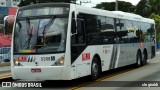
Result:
[
  {"x": 29, "y": 30},
  {"x": 46, "y": 28}
]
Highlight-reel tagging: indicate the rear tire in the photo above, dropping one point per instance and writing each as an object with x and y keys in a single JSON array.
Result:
[
  {"x": 139, "y": 59},
  {"x": 95, "y": 69},
  {"x": 144, "y": 58}
]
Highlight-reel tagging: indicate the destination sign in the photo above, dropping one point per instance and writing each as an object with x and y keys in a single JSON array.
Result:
[{"x": 43, "y": 11}]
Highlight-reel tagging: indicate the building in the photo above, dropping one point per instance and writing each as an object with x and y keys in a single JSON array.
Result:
[{"x": 9, "y": 3}]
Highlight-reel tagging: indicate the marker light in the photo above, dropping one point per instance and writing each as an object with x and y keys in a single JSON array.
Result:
[{"x": 16, "y": 62}]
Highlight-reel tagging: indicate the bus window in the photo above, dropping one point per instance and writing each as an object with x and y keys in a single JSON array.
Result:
[
  {"x": 107, "y": 31},
  {"x": 79, "y": 38}
]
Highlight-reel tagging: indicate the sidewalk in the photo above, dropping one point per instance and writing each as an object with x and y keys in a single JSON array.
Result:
[{"x": 2, "y": 64}]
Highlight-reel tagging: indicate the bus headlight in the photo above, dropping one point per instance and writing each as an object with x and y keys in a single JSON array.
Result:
[
  {"x": 60, "y": 61},
  {"x": 16, "y": 62}
]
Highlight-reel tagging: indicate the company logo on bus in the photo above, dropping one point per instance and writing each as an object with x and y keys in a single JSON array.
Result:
[
  {"x": 85, "y": 56},
  {"x": 22, "y": 58},
  {"x": 31, "y": 59}
]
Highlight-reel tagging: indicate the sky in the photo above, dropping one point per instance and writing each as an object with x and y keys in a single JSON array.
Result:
[{"x": 94, "y": 2}]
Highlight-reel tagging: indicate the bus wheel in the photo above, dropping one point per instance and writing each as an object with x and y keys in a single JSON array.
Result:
[
  {"x": 144, "y": 58},
  {"x": 95, "y": 69},
  {"x": 139, "y": 59}
]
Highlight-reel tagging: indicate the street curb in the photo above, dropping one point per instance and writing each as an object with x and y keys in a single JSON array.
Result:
[{"x": 5, "y": 64}]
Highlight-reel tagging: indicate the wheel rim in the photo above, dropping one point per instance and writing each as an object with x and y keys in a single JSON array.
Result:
[{"x": 94, "y": 69}]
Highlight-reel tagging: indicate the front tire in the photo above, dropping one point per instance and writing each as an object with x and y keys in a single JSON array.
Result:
[{"x": 95, "y": 69}]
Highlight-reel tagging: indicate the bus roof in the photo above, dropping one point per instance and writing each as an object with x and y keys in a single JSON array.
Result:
[
  {"x": 133, "y": 16},
  {"x": 95, "y": 11},
  {"x": 113, "y": 14},
  {"x": 43, "y": 5}
]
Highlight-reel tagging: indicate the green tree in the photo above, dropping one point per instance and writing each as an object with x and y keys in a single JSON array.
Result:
[
  {"x": 122, "y": 6},
  {"x": 28, "y": 2},
  {"x": 155, "y": 6},
  {"x": 156, "y": 18},
  {"x": 143, "y": 8},
  {"x": 146, "y": 7}
]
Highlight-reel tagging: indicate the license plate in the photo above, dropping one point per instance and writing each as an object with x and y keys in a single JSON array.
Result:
[{"x": 35, "y": 70}]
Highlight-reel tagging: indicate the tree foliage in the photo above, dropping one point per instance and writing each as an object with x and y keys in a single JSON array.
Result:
[
  {"x": 146, "y": 7},
  {"x": 156, "y": 18},
  {"x": 28, "y": 2},
  {"x": 155, "y": 6},
  {"x": 143, "y": 8},
  {"x": 121, "y": 6}
]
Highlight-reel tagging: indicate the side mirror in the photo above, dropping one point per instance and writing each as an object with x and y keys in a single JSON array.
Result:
[{"x": 74, "y": 30}]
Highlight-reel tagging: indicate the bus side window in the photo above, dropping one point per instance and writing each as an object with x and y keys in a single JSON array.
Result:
[{"x": 79, "y": 38}]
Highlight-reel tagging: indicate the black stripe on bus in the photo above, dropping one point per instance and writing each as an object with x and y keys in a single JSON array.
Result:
[
  {"x": 113, "y": 57},
  {"x": 76, "y": 52}
]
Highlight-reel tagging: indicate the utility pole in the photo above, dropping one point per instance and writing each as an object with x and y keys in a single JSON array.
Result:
[
  {"x": 84, "y": 2},
  {"x": 116, "y": 6}
]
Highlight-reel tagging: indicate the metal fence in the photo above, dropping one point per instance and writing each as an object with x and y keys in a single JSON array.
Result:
[{"x": 5, "y": 53}]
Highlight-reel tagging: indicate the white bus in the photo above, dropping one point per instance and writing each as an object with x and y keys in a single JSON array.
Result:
[{"x": 59, "y": 41}]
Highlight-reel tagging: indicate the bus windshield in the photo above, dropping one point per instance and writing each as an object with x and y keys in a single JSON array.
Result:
[{"x": 40, "y": 34}]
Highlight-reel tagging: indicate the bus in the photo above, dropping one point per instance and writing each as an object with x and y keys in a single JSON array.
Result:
[{"x": 59, "y": 41}]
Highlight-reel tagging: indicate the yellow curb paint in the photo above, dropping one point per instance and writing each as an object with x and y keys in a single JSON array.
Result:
[
  {"x": 5, "y": 75},
  {"x": 8, "y": 76}
]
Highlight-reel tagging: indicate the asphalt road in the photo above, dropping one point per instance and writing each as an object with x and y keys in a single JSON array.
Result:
[
  {"x": 143, "y": 78},
  {"x": 120, "y": 79}
]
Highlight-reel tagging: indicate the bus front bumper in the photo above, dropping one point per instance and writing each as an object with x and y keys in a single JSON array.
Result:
[{"x": 43, "y": 73}]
